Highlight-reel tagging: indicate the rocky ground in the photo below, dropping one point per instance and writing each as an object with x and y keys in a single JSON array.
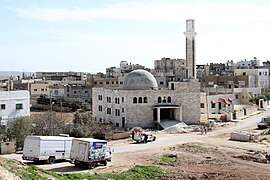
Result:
[{"x": 213, "y": 158}]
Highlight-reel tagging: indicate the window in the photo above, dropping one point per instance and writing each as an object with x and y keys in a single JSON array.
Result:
[
  {"x": 3, "y": 106},
  {"x": 159, "y": 99},
  {"x": 42, "y": 90},
  {"x": 74, "y": 92},
  {"x": 123, "y": 110},
  {"x": 134, "y": 100},
  {"x": 35, "y": 89},
  {"x": 108, "y": 99},
  {"x": 107, "y": 82},
  {"x": 123, "y": 99},
  {"x": 109, "y": 111},
  {"x": 100, "y": 108},
  {"x": 121, "y": 82},
  {"x": 210, "y": 83},
  {"x": 117, "y": 112},
  {"x": 145, "y": 100},
  {"x": 236, "y": 96},
  {"x": 213, "y": 105},
  {"x": 100, "y": 82},
  {"x": 241, "y": 83},
  {"x": 140, "y": 99},
  {"x": 100, "y": 97},
  {"x": 117, "y": 100},
  {"x": 260, "y": 73},
  {"x": 202, "y": 105},
  {"x": 164, "y": 100},
  {"x": 85, "y": 92},
  {"x": 169, "y": 99},
  {"x": 161, "y": 82},
  {"x": 19, "y": 106}
]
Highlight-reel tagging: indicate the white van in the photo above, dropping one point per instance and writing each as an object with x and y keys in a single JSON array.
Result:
[{"x": 46, "y": 148}]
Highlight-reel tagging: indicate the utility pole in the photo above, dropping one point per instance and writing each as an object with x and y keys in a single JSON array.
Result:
[{"x": 51, "y": 131}]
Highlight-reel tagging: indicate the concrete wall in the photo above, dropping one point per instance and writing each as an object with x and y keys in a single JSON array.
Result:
[{"x": 7, "y": 148}]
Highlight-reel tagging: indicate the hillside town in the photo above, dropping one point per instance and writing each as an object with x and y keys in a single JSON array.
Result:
[{"x": 175, "y": 99}]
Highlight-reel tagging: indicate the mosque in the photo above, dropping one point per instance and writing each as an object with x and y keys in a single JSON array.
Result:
[{"x": 140, "y": 102}]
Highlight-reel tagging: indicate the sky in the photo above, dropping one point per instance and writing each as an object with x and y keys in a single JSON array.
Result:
[{"x": 91, "y": 35}]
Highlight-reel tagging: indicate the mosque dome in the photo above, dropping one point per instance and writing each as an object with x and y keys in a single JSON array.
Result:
[{"x": 140, "y": 80}]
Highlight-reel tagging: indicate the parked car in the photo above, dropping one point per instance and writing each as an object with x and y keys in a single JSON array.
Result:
[
  {"x": 264, "y": 123},
  {"x": 143, "y": 137}
]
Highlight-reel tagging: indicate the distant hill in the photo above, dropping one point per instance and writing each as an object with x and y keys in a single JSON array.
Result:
[{"x": 6, "y": 74}]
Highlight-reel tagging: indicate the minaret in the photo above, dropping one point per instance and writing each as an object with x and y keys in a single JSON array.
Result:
[{"x": 190, "y": 49}]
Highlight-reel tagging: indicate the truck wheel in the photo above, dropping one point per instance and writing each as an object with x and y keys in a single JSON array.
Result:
[
  {"x": 36, "y": 162},
  {"x": 51, "y": 160},
  {"x": 77, "y": 164},
  {"x": 154, "y": 138},
  {"x": 105, "y": 163},
  {"x": 91, "y": 165},
  {"x": 145, "y": 139}
]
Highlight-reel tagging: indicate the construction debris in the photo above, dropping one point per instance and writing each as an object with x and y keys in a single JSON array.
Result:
[{"x": 244, "y": 136}]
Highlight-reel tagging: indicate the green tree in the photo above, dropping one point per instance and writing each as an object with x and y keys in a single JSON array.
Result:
[
  {"x": 84, "y": 125},
  {"x": 17, "y": 130}
]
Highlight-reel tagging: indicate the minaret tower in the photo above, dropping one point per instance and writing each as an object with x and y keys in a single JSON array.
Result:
[{"x": 190, "y": 49}]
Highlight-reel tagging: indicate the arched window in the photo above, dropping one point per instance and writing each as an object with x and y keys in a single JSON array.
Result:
[
  {"x": 140, "y": 99},
  {"x": 159, "y": 99},
  {"x": 169, "y": 99},
  {"x": 164, "y": 100},
  {"x": 134, "y": 100},
  {"x": 145, "y": 99}
]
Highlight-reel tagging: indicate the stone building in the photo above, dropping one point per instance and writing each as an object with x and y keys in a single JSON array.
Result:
[
  {"x": 171, "y": 69},
  {"x": 147, "y": 101},
  {"x": 141, "y": 103}
]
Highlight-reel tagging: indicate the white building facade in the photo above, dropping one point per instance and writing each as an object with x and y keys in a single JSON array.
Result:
[{"x": 14, "y": 104}]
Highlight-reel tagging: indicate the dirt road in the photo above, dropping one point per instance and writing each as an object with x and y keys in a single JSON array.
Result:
[{"x": 223, "y": 153}]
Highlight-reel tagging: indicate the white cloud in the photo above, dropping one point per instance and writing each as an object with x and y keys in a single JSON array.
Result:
[{"x": 206, "y": 13}]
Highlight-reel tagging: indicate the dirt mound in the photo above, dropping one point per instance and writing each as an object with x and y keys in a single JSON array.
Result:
[{"x": 179, "y": 128}]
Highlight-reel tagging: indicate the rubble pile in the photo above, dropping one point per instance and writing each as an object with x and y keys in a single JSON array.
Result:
[
  {"x": 257, "y": 157},
  {"x": 179, "y": 128},
  {"x": 244, "y": 136}
]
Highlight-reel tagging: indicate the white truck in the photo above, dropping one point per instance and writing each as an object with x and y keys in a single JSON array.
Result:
[
  {"x": 89, "y": 152},
  {"x": 46, "y": 148}
]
